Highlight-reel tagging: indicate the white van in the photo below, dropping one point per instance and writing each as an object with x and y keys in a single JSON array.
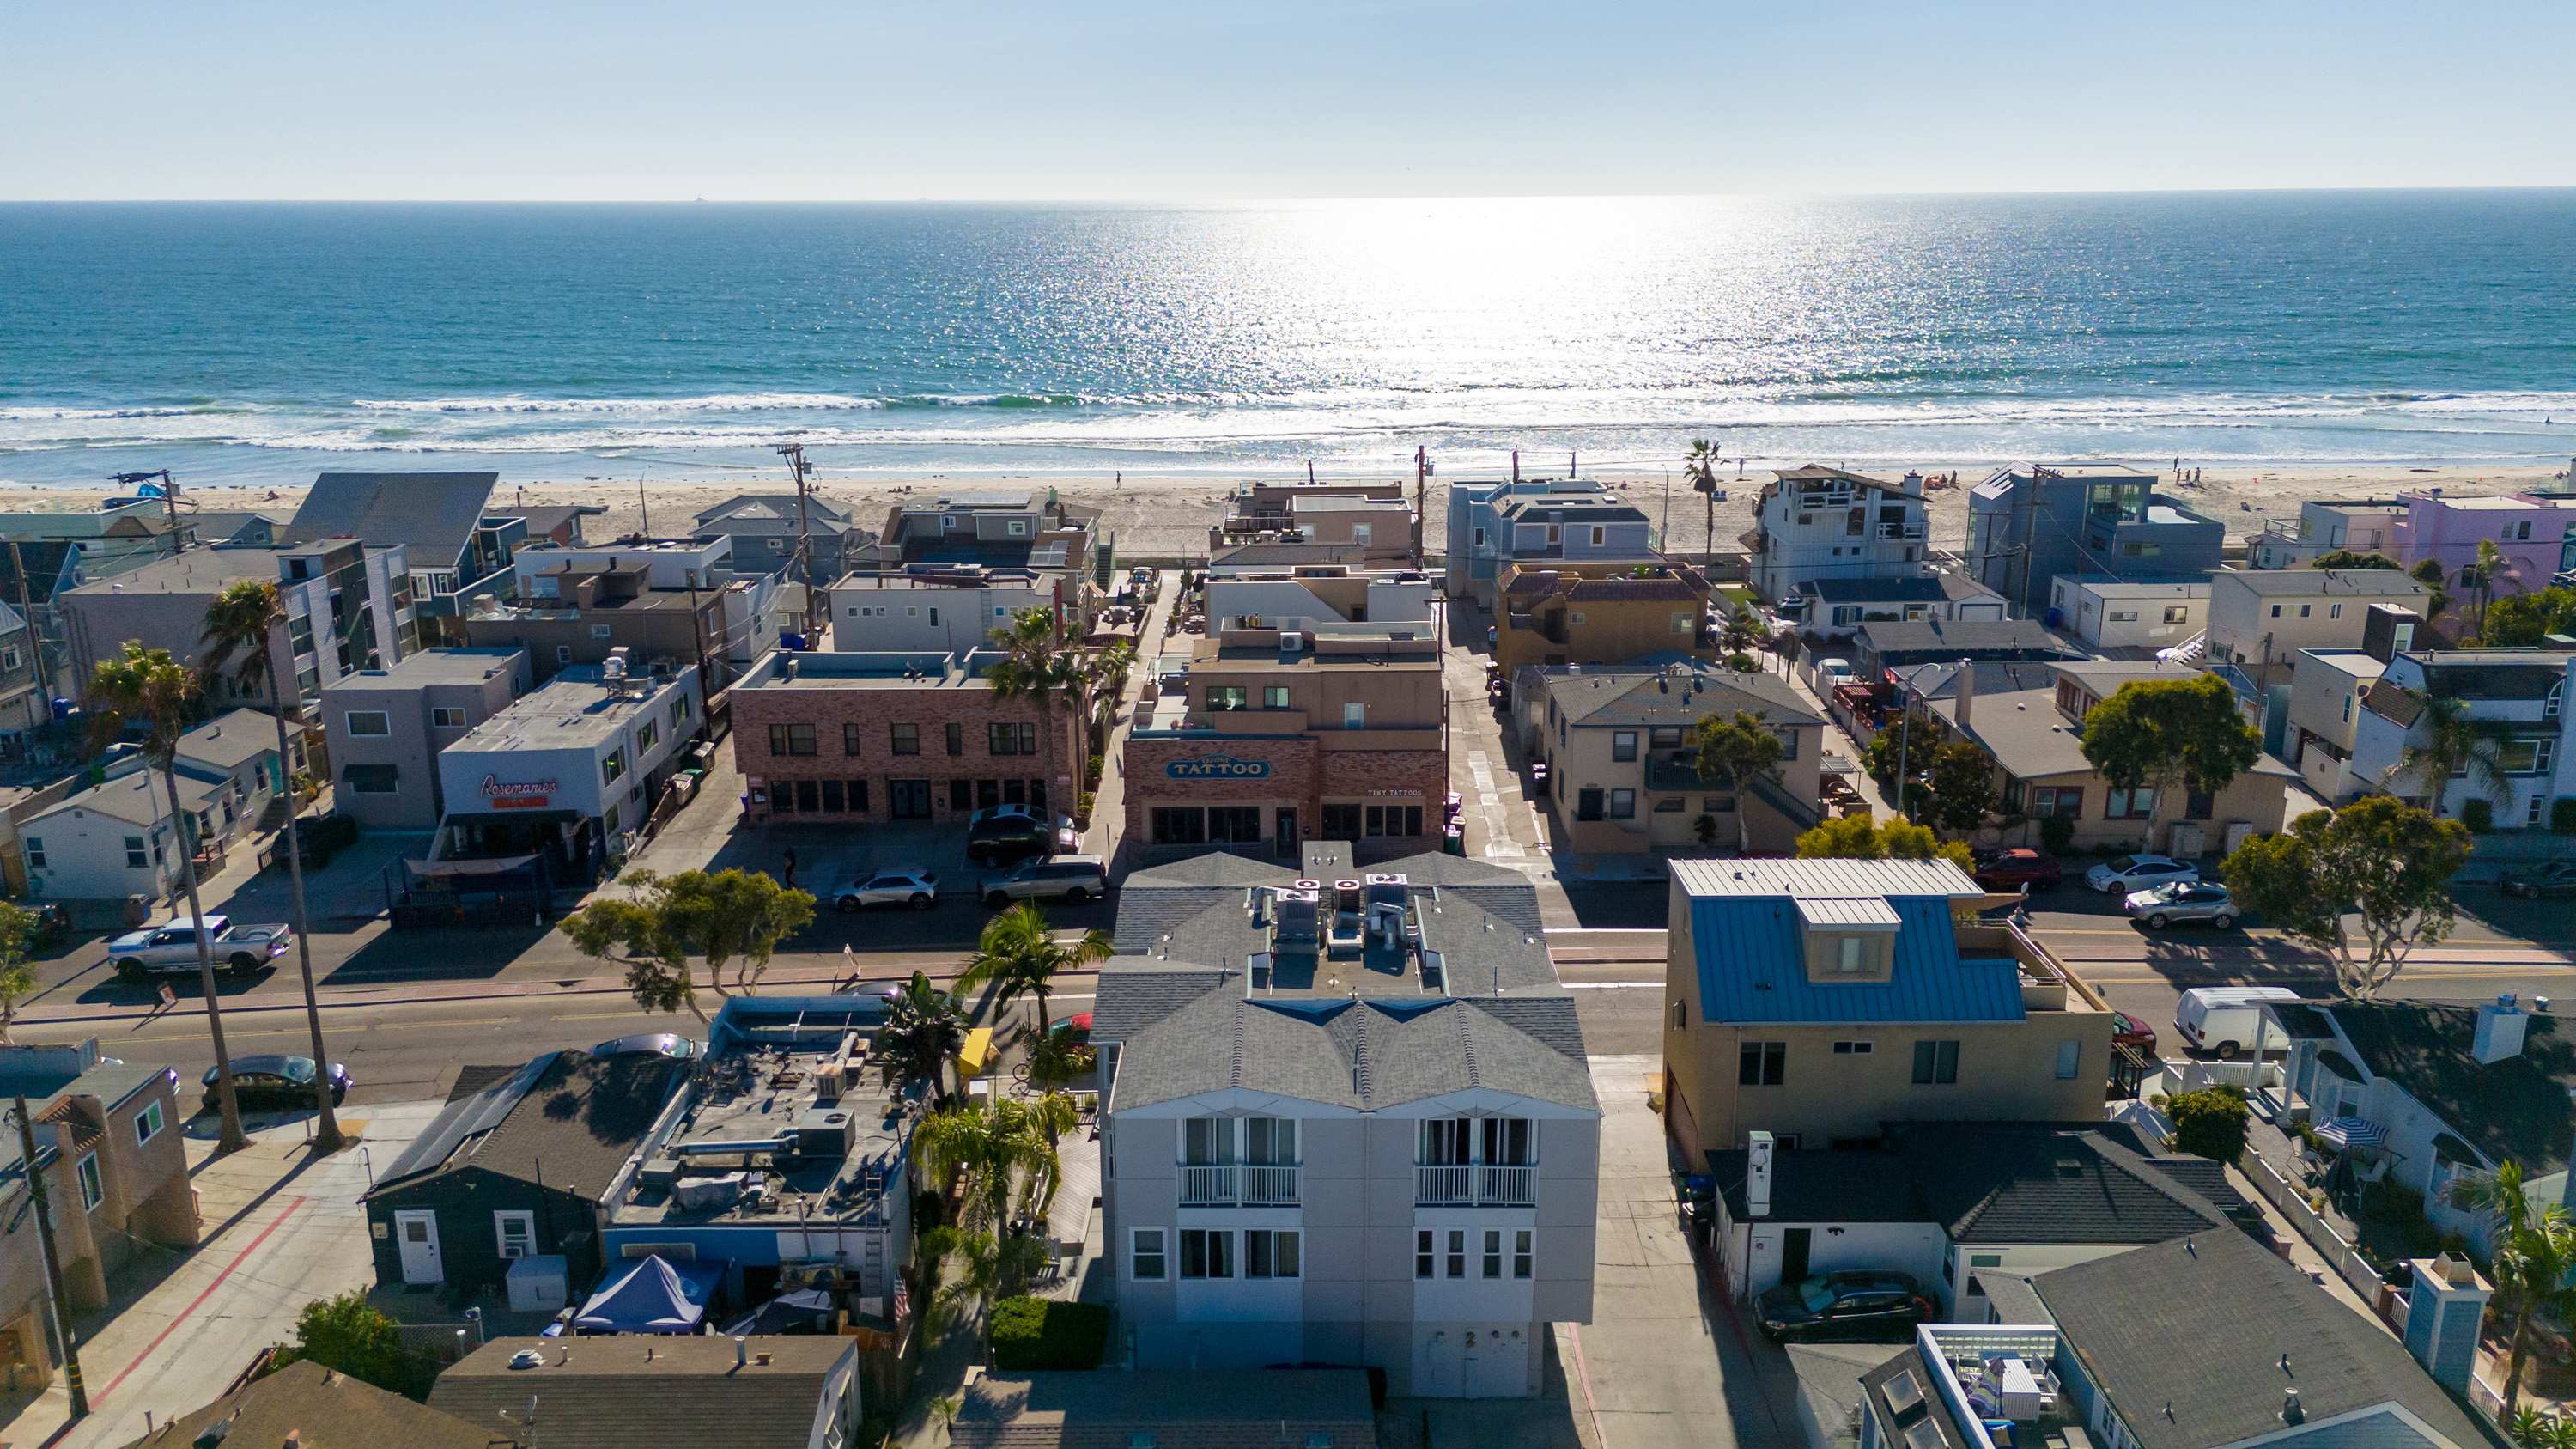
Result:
[{"x": 2221, "y": 1020}]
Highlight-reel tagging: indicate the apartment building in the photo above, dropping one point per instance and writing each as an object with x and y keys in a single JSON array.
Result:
[
  {"x": 1345, "y": 1121},
  {"x": 348, "y": 607},
  {"x": 2135, "y": 617},
  {"x": 853, "y": 736},
  {"x": 2261, "y": 620},
  {"x": 1816, "y": 522},
  {"x": 2327, "y": 525},
  {"x": 2524, "y": 758},
  {"x": 935, "y": 608},
  {"x": 1058, "y": 540},
  {"x": 2031, "y": 523},
  {"x": 765, "y": 531},
  {"x": 2534, "y": 530},
  {"x": 1479, "y": 544},
  {"x": 1273, "y": 736},
  {"x": 588, "y": 615},
  {"x": 1373, "y": 520},
  {"x": 1601, "y": 613},
  {"x": 453, "y": 541},
  {"x": 1303, "y": 595},
  {"x": 1622, "y": 763},
  {"x": 1818, "y": 1000},
  {"x": 385, "y": 728}
]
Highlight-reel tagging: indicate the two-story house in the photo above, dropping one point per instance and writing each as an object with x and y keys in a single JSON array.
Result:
[
  {"x": 1346, "y": 1121},
  {"x": 1562, "y": 524},
  {"x": 1478, "y": 543},
  {"x": 2522, "y": 758},
  {"x": 2327, "y": 525},
  {"x": 2535, "y": 531},
  {"x": 2261, "y": 619},
  {"x": 935, "y": 608},
  {"x": 1291, "y": 598},
  {"x": 1818, "y": 1000},
  {"x": 1816, "y": 522},
  {"x": 2031, "y": 523},
  {"x": 766, "y": 531},
  {"x": 1836, "y": 608},
  {"x": 2131, "y": 617},
  {"x": 1601, "y": 613},
  {"x": 1623, "y": 762},
  {"x": 1372, "y": 522},
  {"x": 1057, "y": 540}
]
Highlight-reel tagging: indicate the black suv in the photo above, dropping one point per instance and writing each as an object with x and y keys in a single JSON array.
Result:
[
  {"x": 1866, "y": 1306},
  {"x": 1006, "y": 835}
]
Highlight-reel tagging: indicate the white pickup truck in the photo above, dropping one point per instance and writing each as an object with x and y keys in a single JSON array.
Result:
[{"x": 173, "y": 947}]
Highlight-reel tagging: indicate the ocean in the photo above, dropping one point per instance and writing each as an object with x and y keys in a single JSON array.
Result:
[{"x": 249, "y": 343}]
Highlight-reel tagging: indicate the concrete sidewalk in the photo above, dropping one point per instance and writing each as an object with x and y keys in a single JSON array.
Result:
[{"x": 283, "y": 1229}]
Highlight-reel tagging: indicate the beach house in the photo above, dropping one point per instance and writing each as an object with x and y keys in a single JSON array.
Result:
[
  {"x": 1815, "y": 522},
  {"x": 2535, "y": 531},
  {"x": 2030, "y": 524}
]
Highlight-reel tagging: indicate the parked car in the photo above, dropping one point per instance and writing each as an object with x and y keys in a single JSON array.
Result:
[
  {"x": 2129, "y": 874},
  {"x": 2195, "y": 900},
  {"x": 648, "y": 1043},
  {"x": 320, "y": 837},
  {"x": 2012, "y": 870},
  {"x": 2223, "y": 1020},
  {"x": 1862, "y": 1305},
  {"x": 2128, "y": 1031},
  {"x": 901, "y": 885},
  {"x": 2558, "y": 878},
  {"x": 1000, "y": 835},
  {"x": 276, "y": 1083},
  {"x": 1072, "y": 877},
  {"x": 173, "y": 947}
]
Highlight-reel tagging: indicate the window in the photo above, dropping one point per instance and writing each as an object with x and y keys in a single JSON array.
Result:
[
  {"x": 2124, "y": 616},
  {"x": 612, "y": 767},
  {"x": 2138, "y": 804},
  {"x": 2070, "y": 1057},
  {"x": 1179, "y": 825},
  {"x": 1507, "y": 1142},
  {"x": 647, "y": 735},
  {"x": 1600, "y": 535},
  {"x": 1341, "y": 822},
  {"x": 516, "y": 1233},
  {"x": 1444, "y": 1142},
  {"x": 1456, "y": 1257},
  {"x": 1269, "y": 1253},
  {"x": 1207, "y": 1253},
  {"x": 444, "y": 718},
  {"x": 1788, "y": 744},
  {"x": 563, "y": 654},
  {"x": 858, "y": 797},
  {"x": 1681, "y": 1015},
  {"x": 2056, "y": 802},
  {"x": 1667, "y": 738},
  {"x": 907, "y": 738},
  {"x": 1623, "y": 804},
  {"x": 1227, "y": 696},
  {"x": 1237, "y": 823},
  {"x": 1936, "y": 1063},
  {"x": 2334, "y": 611},
  {"x": 1493, "y": 1254},
  {"x": 679, "y": 711},
  {"x": 2525, "y": 757},
  {"x": 791, "y": 739},
  {"x": 1669, "y": 805},
  {"x": 1762, "y": 1064},
  {"x": 1524, "y": 1252},
  {"x": 1354, "y": 715},
  {"x": 1480, "y": 538},
  {"x": 35, "y": 853},
  {"x": 368, "y": 723},
  {"x": 134, "y": 859},
  {"x": 1422, "y": 1253},
  {"x": 1623, "y": 745},
  {"x": 1854, "y": 1048},
  {"x": 1270, "y": 1142},
  {"x": 1012, "y": 739},
  {"x": 2177, "y": 613},
  {"x": 2531, "y": 810},
  {"x": 147, "y": 1123},
  {"x": 93, "y": 1190},
  {"x": 2276, "y": 611},
  {"x": 956, "y": 736},
  {"x": 1274, "y": 696},
  {"x": 371, "y": 779},
  {"x": 1684, "y": 620},
  {"x": 1145, "y": 1254}
]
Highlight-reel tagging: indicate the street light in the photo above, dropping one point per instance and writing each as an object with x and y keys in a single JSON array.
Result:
[{"x": 53, "y": 1269}]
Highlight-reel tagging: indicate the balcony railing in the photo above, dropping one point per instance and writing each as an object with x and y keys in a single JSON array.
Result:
[
  {"x": 1474, "y": 1184},
  {"x": 1900, "y": 530},
  {"x": 1230, "y": 1184}
]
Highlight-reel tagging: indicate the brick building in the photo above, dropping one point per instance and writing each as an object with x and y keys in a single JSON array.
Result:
[
  {"x": 856, "y": 736},
  {"x": 1278, "y": 736}
]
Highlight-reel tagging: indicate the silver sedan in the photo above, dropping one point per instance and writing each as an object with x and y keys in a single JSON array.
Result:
[{"x": 2168, "y": 905}]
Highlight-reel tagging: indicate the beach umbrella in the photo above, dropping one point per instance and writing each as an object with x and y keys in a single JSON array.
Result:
[{"x": 2343, "y": 1134}]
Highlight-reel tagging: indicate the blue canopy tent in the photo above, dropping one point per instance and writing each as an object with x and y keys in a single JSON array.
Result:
[{"x": 651, "y": 1295}]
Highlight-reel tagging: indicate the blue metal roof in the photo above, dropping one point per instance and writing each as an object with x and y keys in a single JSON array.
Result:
[{"x": 1753, "y": 967}]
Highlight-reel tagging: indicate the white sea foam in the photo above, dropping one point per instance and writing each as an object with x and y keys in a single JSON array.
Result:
[{"x": 730, "y": 402}]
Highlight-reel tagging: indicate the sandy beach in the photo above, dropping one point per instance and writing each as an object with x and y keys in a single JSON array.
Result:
[{"x": 1163, "y": 515}]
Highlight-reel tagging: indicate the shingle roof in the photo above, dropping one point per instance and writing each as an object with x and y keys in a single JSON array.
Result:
[
  {"x": 44, "y": 559},
  {"x": 1132, "y": 996},
  {"x": 579, "y": 1115},
  {"x": 433, "y": 515},
  {"x": 138, "y": 798},
  {"x": 606, "y": 1393},
  {"x": 1619, "y": 696},
  {"x": 2393, "y": 703},
  {"x": 324, "y": 1410},
  {"x": 2515, "y": 1108},
  {"x": 779, "y": 506},
  {"x": 1961, "y": 637},
  {"x": 231, "y": 740},
  {"x": 1366, "y": 1055},
  {"x": 2186, "y": 1337},
  {"x": 1180, "y": 1409},
  {"x": 1899, "y": 589},
  {"x": 1988, "y": 1184}
]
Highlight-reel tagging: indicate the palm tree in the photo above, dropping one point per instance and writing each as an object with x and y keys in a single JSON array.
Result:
[
  {"x": 1055, "y": 1058},
  {"x": 1105, "y": 680},
  {"x": 2481, "y": 576},
  {"x": 2535, "y": 1253},
  {"x": 149, "y": 688},
  {"x": 1001, "y": 1151},
  {"x": 1039, "y": 664},
  {"x": 1020, "y": 957},
  {"x": 1699, "y": 465},
  {"x": 1742, "y": 632},
  {"x": 244, "y": 622},
  {"x": 924, "y": 1029},
  {"x": 2453, "y": 745}
]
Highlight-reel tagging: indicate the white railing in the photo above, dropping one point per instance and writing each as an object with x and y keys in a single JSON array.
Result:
[
  {"x": 1270, "y": 1186},
  {"x": 1447, "y": 1184},
  {"x": 1202, "y": 1185},
  {"x": 1511, "y": 1186}
]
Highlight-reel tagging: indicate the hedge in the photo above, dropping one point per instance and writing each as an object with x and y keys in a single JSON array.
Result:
[{"x": 1040, "y": 1333}]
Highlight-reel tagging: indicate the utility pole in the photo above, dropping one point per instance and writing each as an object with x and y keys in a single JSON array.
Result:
[
  {"x": 1664, "y": 531},
  {"x": 53, "y": 1269},
  {"x": 169, "y": 498},
  {"x": 794, "y": 453},
  {"x": 1421, "y": 470},
  {"x": 643, "y": 509},
  {"x": 35, "y": 636}
]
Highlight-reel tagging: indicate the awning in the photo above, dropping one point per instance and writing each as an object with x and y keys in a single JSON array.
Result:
[
  {"x": 2346, "y": 1133},
  {"x": 977, "y": 1053},
  {"x": 651, "y": 1295}
]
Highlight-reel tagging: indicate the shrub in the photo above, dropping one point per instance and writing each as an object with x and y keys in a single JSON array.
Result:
[
  {"x": 929, "y": 1210},
  {"x": 1040, "y": 1333},
  {"x": 1742, "y": 663},
  {"x": 2478, "y": 813},
  {"x": 2562, "y": 814},
  {"x": 344, "y": 1333},
  {"x": 2055, "y": 834},
  {"x": 2209, "y": 1123}
]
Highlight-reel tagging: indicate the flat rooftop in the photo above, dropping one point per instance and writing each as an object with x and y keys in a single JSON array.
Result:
[
  {"x": 782, "y": 669},
  {"x": 432, "y": 666},
  {"x": 198, "y": 571},
  {"x": 2109, "y": 587},
  {"x": 576, "y": 708}
]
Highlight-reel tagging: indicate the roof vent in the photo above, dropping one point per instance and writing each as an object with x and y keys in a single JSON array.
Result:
[
  {"x": 527, "y": 1358},
  {"x": 2291, "y": 1413}
]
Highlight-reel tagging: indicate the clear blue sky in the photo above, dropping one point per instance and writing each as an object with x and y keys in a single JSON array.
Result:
[{"x": 1191, "y": 99}]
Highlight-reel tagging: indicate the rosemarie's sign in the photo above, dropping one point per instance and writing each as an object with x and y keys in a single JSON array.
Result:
[
  {"x": 1216, "y": 767},
  {"x": 518, "y": 794}
]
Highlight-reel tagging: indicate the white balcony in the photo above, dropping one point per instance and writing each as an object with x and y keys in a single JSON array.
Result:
[
  {"x": 1211, "y": 1185},
  {"x": 1230, "y": 1184},
  {"x": 1269, "y": 1186},
  {"x": 1507, "y": 1186},
  {"x": 1474, "y": 1185}
]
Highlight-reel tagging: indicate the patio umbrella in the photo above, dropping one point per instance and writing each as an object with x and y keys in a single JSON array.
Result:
[{"x": 2343, "y": 1134}]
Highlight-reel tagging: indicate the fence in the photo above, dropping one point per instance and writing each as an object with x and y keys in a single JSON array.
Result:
[
  {"x": 2321, "y": 1235},
  {"x": 445, "y": 1342}
]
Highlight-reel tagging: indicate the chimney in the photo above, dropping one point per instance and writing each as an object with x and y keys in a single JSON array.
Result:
[
  {"x": 1964, "y": 693},
  {"x": 2501, "y": 1025},
  {"x": 2443, "y": 1309},
  {"x": 1912, "y": 484},
  {"x": 1757, "y": 1174}
]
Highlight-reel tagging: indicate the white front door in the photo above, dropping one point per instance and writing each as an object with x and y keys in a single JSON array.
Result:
[{"x": 417, "y": 1232}]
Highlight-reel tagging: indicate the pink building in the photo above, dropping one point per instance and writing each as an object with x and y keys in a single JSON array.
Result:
[{"x": 2535, "y": 531}]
